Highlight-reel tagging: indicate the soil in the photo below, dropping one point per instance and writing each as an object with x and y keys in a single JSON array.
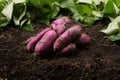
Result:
[{"x": 98, "y": 61}]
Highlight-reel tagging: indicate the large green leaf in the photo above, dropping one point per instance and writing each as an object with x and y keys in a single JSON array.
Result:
[
  {"x": 44, "y": 7},
  {"x": 109, "y": 9},
  {"x": 8, "y": 10},
  {"x": 113, "y": 27},
  {"x": 67, "y": 3}
]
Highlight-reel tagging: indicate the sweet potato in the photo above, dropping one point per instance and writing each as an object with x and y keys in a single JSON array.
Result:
[
  {"x": 71, "y": 48},
  {"x": 59, "y": 25},
  {"x": 45, "y": 45},
  {"x": 67, "y": 37},
  {"x": 32, "y": 41},
  {"x": 58, "y": 22},
  {"x": 84, "y": 39}
]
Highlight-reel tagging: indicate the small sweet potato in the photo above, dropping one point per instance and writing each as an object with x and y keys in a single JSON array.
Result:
[
  {"x": 84, "y": 39},
  {"x": 71, "y": 48},
  {"x": 33, "y": 40},
  {"x": 67, "y": 37},
  {"x": 45, "y": 45}
]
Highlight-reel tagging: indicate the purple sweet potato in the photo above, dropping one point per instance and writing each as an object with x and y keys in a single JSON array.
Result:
[
  {"x": 71, "y": 48},
  {"x": 45, "y": 45},
  {"x": 58, "y": 22},
  {"x": 84, "y": 39},
  {"x": 32, "y": 41},
  {"x": 59, "y": 25},
  {"x": 67, "y": 37},
  {"x": 61, "y": 29}
]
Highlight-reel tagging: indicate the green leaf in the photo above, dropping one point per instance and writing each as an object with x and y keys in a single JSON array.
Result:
[
  {"x": 19, "y": 1},
  {"x": 90, "y": 20},
  {"x": 2, "y": 4},
  {"x": 3, "y": 20},
  {"x": 45, "y": 20},
  {"x": 83, "y": 10},
  {"x": 117, "y": 2},
  {"x": 85, "y": 1},
  {"x": 28, "y": 27},
  {"x": 67, "y": 3},
  {"x": 23, "y": 22},
  {"x": 97, "y": 14},
  {"x": 84, "y": 14},
  {"x": 8, "y": 10},
  {"x": 109, "y": 9},
  {"x": 43, "y": 7},
  {"x": 113, "y": 27},
  {"x": 55, "y": 10},
  {"x": 35, "y": 3},
  {"x": 77, "y": 16},
  {"x": 18, "y": 15},
  {"x": 97, "y": 2},
  {"x": 114, "y": 37}
]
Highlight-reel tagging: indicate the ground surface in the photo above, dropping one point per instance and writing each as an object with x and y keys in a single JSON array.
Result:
[{"x": 99, "y": 61}]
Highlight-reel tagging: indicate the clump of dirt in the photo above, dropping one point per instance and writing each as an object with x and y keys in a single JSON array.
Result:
[{"x": 99, "y": 61}]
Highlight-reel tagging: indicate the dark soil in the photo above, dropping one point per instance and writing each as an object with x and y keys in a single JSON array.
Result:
[{"x": 98, "y": 61}]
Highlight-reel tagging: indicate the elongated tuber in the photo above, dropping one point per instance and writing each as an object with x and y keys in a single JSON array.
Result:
[
  {"x": 32, "y": 41},
  {"x": 45, "y": 45}
]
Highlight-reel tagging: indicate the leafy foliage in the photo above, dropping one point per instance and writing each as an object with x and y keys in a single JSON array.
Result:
[{"x": 24, "y": 12}]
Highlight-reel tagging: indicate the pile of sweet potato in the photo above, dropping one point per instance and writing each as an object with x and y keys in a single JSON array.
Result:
[{"x": 59, "y": 38}]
